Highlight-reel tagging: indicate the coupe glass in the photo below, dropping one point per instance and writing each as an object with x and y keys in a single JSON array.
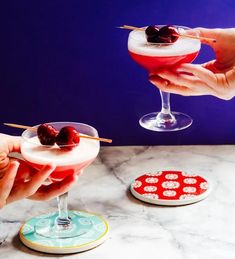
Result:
[
  {"x": 62, "y": 224},
  {"x": 158, "y": 56}
]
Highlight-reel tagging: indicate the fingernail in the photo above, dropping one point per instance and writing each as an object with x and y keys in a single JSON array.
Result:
[
  {"x": 50, "y": 167},
  {"x": 15, "y": 163},
  {"x": 165, "y": 83},
  {"x": 3, "y": 155},
  {"x": 159, "y": 82},
  {"x": 151, "y": 81},
  {"x": 75, "y": 176},
  {"x": 179, "y": 70},
  {"x": 162, "y": 74}
]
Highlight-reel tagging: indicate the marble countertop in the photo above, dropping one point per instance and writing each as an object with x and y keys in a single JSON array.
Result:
[{"x": 204, "y": 230}]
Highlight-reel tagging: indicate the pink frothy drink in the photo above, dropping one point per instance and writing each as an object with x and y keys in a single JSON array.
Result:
[
  {"x": 146, "y": 47},
  {"x": 154, "y": 57},
  {"x": 38, "y": 155}
]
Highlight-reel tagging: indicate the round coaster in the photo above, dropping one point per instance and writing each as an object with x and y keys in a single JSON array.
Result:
[
  {"x": 170, "y": 188},
  {"x": 94, "y": 237}
]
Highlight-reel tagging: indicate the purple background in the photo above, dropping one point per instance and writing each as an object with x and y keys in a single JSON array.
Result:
[{"x": 65, "y": 60}]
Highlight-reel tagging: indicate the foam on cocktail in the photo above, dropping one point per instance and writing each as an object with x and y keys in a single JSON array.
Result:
[
  {"x": 36, "y": 153},
  {"x": 138, "y": 44}
]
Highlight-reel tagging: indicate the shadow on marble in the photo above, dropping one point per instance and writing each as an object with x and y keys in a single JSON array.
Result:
[
  {"x": 135, "y": 200},
  {"x": 19, "y": 246}
]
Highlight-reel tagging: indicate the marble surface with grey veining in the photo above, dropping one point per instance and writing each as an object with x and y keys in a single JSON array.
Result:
[{"x": 204, "y": 230}]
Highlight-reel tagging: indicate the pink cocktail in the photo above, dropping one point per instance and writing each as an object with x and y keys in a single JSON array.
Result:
[
  {"x": 65, "y": 224},
  {"x": 162, "y": 56},
  {"x": 63, "y": 171},
  {"x": 66, "y": 162}
]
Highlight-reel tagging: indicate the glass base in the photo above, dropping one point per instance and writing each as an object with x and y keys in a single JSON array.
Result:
[
  {"x": 47, "y": 227},
  {"x": 181, "y": 121}
]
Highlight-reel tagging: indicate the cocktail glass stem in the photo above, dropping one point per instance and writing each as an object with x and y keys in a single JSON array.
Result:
[
  {"x": 63, "y": 221},
  {"x": 165, "y": 116}
]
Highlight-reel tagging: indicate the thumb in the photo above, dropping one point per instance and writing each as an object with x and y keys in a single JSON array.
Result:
[
  {"x": 230, "y": 77},
  {"x": 208, "y": 36}
]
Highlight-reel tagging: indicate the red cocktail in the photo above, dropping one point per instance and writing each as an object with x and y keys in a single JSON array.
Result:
[
  {"x": 161, "y": 56},
  {"x": 154, "y": 64}
]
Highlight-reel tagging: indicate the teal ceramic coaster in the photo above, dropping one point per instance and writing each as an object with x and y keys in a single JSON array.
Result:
[{"x": 97, "y": 234}]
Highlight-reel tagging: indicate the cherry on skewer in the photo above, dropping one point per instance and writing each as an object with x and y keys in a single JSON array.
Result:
[
  {"x": 177, "y": 34},
  {"x": 47, "y": 134},
  {"x": 51, "y": 135},
  {"x": 67, "y": 138},
  {"x": 165, "y": 34}
]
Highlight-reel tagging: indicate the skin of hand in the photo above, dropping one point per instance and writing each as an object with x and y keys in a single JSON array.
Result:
[
  {"x": 18, "y": 180},
  {"x": 216, "y": 77}
]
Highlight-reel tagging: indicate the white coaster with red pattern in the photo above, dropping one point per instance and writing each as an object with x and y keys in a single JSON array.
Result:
[{"x": 170, "y": 188}]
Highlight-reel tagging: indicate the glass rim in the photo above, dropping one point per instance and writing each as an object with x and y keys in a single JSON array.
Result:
[{"x": 27, "y": 139}]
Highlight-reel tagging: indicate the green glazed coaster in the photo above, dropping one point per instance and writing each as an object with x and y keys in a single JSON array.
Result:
[{"x": 96, "y": 235}]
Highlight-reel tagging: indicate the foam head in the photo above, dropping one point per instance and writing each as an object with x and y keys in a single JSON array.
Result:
[
  {"x": 36, "y": 153},
  {"x": 137, "y": 43}
]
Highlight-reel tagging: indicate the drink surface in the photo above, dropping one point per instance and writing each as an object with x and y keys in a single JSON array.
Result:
[
  {"x": 137, "y": 43},
  {"x": 36, "y": 153}
]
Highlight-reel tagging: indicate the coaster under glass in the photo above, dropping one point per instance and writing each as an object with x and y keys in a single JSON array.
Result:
[{"x": 90, "y": 230}]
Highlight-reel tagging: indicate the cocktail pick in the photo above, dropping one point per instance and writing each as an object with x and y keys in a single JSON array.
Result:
[
  {"x": 34, "y": 128},
  {"x": 128, "y": 27}
]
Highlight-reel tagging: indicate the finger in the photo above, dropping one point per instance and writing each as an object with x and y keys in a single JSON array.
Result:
[
  {"x": 205, "y": 33},
  {"x": 189, "y": 81},
  {"x": 4, "y": 160},
  {"x": 216, "y": 84},
  {"x": 155, "y": 80},
  {"x": 37, "y": 180},
  {"x": 7, "y": 182},
  {"x": 12, "y": 142},
  {"x": 190, "y": 86},
  {"x": 211, "y": 65},
  {"x": 204, "y": 74},
  {"x": 25, "y": 172},
  {"x": 23, "y": 190},
  {"x": 48, "y": 192},
  {"x": 168, "y": 87}
]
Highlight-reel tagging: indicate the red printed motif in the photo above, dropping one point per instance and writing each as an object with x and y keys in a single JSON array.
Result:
[{"x": 170, "y": 185}]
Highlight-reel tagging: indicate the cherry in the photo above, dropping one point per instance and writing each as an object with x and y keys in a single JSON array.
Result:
[
  {"x": 165, "y": 34},
  {"x": 168, "y": 34},
  {"x": 47, "y": 134},
  {"x": 152, "y": 34},
  {"x": 67, "y": 138}
]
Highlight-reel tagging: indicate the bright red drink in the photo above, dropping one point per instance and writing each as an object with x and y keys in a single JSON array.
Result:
[
  {"x": 155, "y": 63},
  {"x": 157, "y": 56}
]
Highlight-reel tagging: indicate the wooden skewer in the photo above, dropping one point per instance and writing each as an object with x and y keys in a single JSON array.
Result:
[
  {"x": 128, "y": 27},
  {"x": 195, "y": 37},
  {"x": 35, "y": 128}
]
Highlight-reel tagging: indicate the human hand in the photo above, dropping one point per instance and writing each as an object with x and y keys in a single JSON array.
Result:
[
  {"x": 216, "y": 77},
  {"x": 18, "y": 180}
]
